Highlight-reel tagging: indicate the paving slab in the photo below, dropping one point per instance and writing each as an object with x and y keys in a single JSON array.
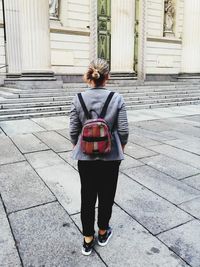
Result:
[
  {"x": 193, "y": 118},
  {"x": 178, "y": 135},
  {"x": 170, "y": 166},
  {"x": 138, "y": 152},
  {"x": 2, "y": 133},
  {"x": 64, "y": 133},
  {"x": 142, "y": 140},
  {"x": 192, "y": 206},
  {"x": 193, "y": 181},
  {"x": 43, "y": 159},
  {"x": 162, "y": 184},
  {"x": 155, "y": 125},
  {"x": 9, "y": 152},
  {"x": 28, "y": 143},
  {"x": 64, "y": 182},
  {"x": 160, "y": 137},
  {"x": 186, "y": 144},
  {"x": 184, "y": 241},
  {"x": 20, "y": 127},
  {"x": 176, "y": 153},
  {"x": 132, "y": 245},
  {"x": 67, "y": 157},
  {"x": 47, "y": 237},
  {"x": 52, "y": 123},
  {"x": 184, "y": 121},
  {"x": 153, "y": 212},
  {"x": 55, "y": 141},
  {"x": 129, "y": 162},
  {"x": 21, "y": 187},
  {"x": 9, "y": 256}
]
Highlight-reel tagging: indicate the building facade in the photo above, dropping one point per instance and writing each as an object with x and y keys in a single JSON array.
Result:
[{"x": 149, "y": 39}]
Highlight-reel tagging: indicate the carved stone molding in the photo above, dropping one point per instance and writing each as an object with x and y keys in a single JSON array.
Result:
[{"x": 169, "y": 18}]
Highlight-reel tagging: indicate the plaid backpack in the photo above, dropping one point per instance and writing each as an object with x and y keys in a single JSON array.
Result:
[{"x": 95, "y": 134}]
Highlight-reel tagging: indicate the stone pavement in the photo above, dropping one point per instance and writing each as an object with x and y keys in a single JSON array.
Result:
[{"x": 156, "y": 216}]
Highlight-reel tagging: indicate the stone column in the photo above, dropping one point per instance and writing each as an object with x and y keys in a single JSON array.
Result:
[
  {"x": 122, "y": 36},
  {"x": 35, "y": 38},
  {"x": 93, "y": 30},
  {"x": 13, "y": 44},
  {"x": 142, "y": 40},
  {"x": 191, "y": 37}
]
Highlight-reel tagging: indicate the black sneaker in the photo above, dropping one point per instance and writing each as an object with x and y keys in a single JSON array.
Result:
[
  {"x": 103, "y": 239},
  {"x": 88, "y": 247}
]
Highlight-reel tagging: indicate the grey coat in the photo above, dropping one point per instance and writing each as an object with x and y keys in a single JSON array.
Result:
[{"x": 116, "y": 118}]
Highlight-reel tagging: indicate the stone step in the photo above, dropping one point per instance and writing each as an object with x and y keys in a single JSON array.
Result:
[
  {"x": 66, "y": 112},
  {"x": 162, "y": 105},
  {"x": 164, "y": 100},
  {"x": 35, "y": 104},
  {"x": 129, "y": 95},
  {"x": 33, "y": 115},
  {"x": 131, "y": 91},
  {"x": 32, "y": 110},
  {"x": 67, "y": 100},
  {"x": 58, "y": 107}
]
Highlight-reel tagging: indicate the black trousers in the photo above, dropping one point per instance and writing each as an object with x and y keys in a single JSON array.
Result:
[{"x": 98, "y": 179}]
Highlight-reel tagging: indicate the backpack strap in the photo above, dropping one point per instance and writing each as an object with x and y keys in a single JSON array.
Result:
[
  {"x": 105, "y": 107},
  {"x": 87, "y": 114}
]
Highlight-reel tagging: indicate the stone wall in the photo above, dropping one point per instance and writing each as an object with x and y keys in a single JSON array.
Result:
[
  {"x": 163, "y": 54},
  {"x": 70, "y": 37}
]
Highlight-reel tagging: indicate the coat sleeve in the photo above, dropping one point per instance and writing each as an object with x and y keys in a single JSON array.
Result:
[
  {"x": 75, "y": 123},
  {"x": 122, "y": 122}
]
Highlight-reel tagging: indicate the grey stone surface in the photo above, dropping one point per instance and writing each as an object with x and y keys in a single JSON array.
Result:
[
  {"x": 160, "y": 137},
  {"x": 20, "y": 127},
  {"x": 55, "y": 141},
  {"x": 43, "y": 159},
  {"x": 193, "y": 118},
  {"x": 142, "y": 140},
  {"x": 47, "y": 237},
  {"x": 28, "y": 143},
  {"x": 193, "y": 181},
  {"x": 64, "y": 133},
  {"x": 64, "y": 182},
  {"x": 155, "y": 125},
  {"x": 67, "y": 157},
  {"x": 52, "y": 123},
  {"x": 21, "y": 187},
  {"x": 170, "y": 166},
  {"x": 184, "y": 241},
  {"x": 129, "y": 162},
  {"x": 162, "y": 184},
  {"x": 153, "y": 212},
  {"x": 138, "y": 152},
  {"x": 131, "y": 245},
  {"x": 9, "y": 153},
  {"x": 185, "y": 122},
  {"x": 176, "y": 153},
  {"x": 192, "y": 206},
  {"x": 188, "y": 145},
  {"x": 8, "y": 253},
  {"x": 2, "y": 133},
  {"x": 178, "y": 135}
]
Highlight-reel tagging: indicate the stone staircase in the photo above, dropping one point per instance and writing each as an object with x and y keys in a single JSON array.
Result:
[{"x": 28, "y": 103}]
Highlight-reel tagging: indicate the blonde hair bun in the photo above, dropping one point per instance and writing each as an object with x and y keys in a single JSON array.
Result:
[{"x": 95, "y": 74}]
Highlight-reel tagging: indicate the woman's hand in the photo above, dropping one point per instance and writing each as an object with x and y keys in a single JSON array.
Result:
[{"x": 123, "y": 147}]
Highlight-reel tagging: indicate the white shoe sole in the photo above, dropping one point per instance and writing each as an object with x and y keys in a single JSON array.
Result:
[
  {"x": 86, "y": 253},
  {"x": 104, "y": 244}
]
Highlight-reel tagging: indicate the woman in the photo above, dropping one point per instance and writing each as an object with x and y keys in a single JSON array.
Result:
[{"x": 98, "y": 172}]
